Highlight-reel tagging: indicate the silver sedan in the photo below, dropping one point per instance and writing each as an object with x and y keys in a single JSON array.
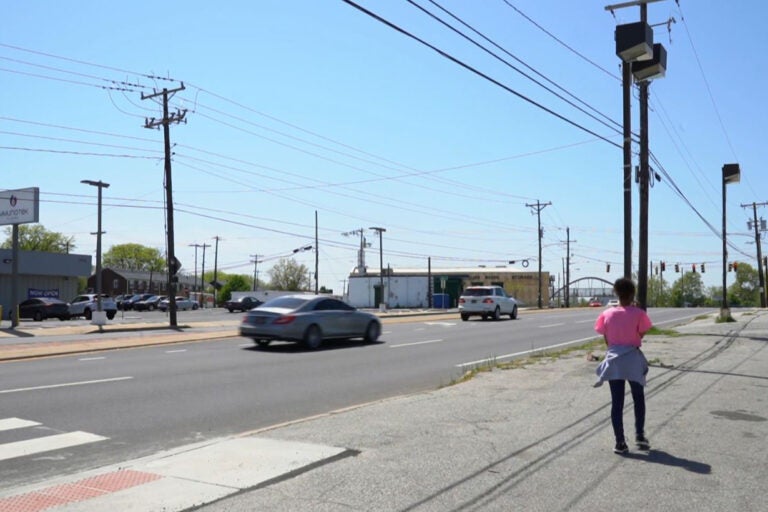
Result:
[{"x": 308, "y": 319}]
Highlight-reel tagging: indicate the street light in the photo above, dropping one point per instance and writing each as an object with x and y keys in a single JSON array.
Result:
[
  {"x": 731, "y": 174},
  {"x": 380, "y": 231},
  {"x": 100, "y": 185}
]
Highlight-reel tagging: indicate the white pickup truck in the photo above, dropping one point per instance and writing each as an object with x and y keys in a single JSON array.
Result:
[{"x": 486, "y": 302}]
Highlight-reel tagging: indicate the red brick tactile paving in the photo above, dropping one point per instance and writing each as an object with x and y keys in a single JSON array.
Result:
[{"x": 76, "y": 491}]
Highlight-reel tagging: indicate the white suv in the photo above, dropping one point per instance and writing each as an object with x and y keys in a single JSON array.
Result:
[
  {"x": 486, "y": 302},
  {"x": 85, "y": 304}
]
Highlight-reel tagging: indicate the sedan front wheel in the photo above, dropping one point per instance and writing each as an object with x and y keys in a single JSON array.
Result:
[{"x": 372, "y": 332}]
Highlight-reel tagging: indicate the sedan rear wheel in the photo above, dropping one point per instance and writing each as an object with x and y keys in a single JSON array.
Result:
[
  {"x": 313, "y": 337},
  {"x": 372, "y": 332},
  {"x": 38, "y": 317},
  {"x": 87, "y": 314},
  {"x": 513, "y": 314},
  {"x": 464, "y": 317}
]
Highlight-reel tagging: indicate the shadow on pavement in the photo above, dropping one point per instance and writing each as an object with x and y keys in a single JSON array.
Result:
[{"x": 667, "y": 459}]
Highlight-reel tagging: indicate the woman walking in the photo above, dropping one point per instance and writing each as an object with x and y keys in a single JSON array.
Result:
[{"x": 623, "y": 327}]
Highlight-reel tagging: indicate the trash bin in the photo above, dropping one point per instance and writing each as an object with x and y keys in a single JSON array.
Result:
[{"x": 441, "y": 301}]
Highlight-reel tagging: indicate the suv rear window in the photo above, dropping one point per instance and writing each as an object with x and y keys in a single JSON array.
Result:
[{"x": 477, "y": 292}]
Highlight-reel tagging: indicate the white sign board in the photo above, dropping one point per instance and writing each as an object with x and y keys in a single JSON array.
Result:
[{"x": 19, "y": 206}]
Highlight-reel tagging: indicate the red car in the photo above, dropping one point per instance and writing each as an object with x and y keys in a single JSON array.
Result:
[{"x": 595, "y": 304}]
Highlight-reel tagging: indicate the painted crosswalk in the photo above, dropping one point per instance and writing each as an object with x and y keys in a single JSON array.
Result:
[{"x": 42, "y": 444}]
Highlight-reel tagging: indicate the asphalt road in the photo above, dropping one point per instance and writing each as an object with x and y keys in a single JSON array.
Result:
[{"x": 145, "y": 400}]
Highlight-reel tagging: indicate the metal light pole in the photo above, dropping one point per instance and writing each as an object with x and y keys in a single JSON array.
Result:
[
  {"x": 380, "y": 231},
  {"x": 731, "y": 174},
  {"x": 100, "y": 185}
]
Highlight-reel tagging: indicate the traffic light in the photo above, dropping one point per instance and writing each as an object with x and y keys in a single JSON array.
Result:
[
  {"x": 663, "y": 266},
  {"x": 607, "y": 267},
  {"x": 765, "y": 261},
  {"x": 730, "y": 267},
  {"x": 694, "y": 268},
  {"x": 735, "y": 266},
  {"x": 677, "y": 267},
  {"x": 702, "y": 268}
]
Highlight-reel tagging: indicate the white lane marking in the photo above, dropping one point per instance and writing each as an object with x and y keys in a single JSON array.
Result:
[
  {"x": 12, "y": 423},
  {"x": 386, "y": 332},
  {"x": 550, "y": 325},
  {"x": 419, "y": 329},
  {"x": 175, "y": 351},
  {"x": 415, "y": 343},
  {"x": 64, "y": 385},
  {"x": 444, "y": 324},
  {"x": 47, "y": 443},
  {"x": 91, "y": 358},
  {"x": 246, "y": 345},
  {"x": 584, "y": 321},
  {"x": 525, "y": 352}
]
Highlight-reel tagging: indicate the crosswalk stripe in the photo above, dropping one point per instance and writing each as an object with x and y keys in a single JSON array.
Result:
[
  {"x": 47, "y": 443},
  {"x": 13, "y": 423}
]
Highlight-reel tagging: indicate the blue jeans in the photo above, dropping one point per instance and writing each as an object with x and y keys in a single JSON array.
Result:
[{"x": 617, "y": 407}]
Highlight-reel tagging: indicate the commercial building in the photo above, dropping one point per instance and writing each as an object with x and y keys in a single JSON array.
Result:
[{"x": 410, "y": 288}]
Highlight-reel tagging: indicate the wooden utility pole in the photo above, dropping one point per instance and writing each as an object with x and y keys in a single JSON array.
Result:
[
  {"x": 760, "y": 273},
  {"x": 538, "y": 207},
  {"x": 177, "y": 117}
]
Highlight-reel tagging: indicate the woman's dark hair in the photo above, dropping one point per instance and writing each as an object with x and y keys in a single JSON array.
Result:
[{"x": 625, "y": 289}]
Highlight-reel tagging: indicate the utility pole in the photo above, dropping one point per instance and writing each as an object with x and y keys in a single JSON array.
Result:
[
  {"x": 195, "y": 246},
  {"x": 215, "y": 271},
  {"x": 760, "y": 274},
  {"x": 177, "y": 117},
  {"x": 202, "y": 277},
  {"x": 317, "y": 256},
  {"x": 538, "y": 207},
  {"x": 361, "y": 252},
  {"x": 642, "y": 259},
  {"x": 568, "y": 267},
  {"x": 255, "y": 270}
]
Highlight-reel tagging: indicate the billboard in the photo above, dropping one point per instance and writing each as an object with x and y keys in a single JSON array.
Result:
[{"x": 20, "y": 206}]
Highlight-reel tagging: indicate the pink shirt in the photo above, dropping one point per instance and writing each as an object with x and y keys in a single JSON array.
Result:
[{"x": 623, "y": 325}]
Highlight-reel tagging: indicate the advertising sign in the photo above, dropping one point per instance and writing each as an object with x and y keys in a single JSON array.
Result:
[{"x": 20, "y": 206}]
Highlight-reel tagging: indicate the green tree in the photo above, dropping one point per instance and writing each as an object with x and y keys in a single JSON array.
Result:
[
  {"x": 34, "y": 237},
  {"x": 688, "y": 290},
  {"x": 745, "y": 290},
  {"x": 658, "y": 292},
  {"x": 134, "y": 258},
  {"x": 235, "y": 283},
  {"x": 286, "y": 274}
]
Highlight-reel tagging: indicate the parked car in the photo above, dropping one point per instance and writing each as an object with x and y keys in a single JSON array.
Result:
[
  {"x": 486, "y": 302},
  {"x": 308, "y": 319},
  {"x": 595, "y": 304},
  {"x": 84, "y": 305},
  {"x": 613, "y": 303},
  {"x": 133, "y": 299},
  {"x": 149, "y": 304},
  {"x": 182, "y": 304},
  {"x": 40, "y": 308},
  {"x": 242, "y": 304}
]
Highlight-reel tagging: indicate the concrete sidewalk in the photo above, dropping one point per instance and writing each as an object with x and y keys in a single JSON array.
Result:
[{"x": 532, "y": 438}]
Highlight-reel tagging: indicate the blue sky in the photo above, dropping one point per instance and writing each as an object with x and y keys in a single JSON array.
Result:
[{"x": 301, "y": 106}]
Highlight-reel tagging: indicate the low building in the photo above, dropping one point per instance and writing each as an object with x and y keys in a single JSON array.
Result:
[
  {"x": 40, "y": 274},
  {"x": 410, "y": 288}
]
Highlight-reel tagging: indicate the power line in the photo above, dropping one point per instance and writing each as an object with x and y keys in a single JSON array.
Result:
[{"x": 478, "y": 72}]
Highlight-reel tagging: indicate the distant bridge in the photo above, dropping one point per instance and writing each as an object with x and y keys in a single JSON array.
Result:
[{"x": 601, "y": 292}]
